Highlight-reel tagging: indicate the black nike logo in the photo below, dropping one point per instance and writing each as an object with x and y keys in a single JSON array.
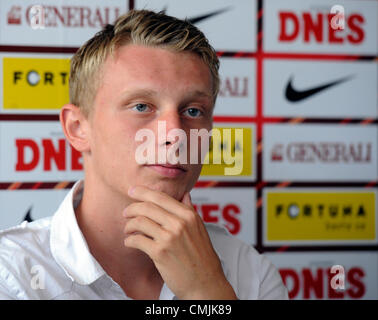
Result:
[
  {"x": 200, "y": 18},
  {"x": 294, "y": 95},
  {"x": 28, "y": 217},
  {"x": 195, "y": 20}
]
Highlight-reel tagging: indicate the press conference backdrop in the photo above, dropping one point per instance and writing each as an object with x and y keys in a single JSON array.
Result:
[{"x": 298, "y": 76}]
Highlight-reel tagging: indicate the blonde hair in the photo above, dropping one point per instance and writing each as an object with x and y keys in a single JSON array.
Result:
[{"x": 140, "y": 27}]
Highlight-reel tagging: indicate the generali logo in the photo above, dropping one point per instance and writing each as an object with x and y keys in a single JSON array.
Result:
[
  {"x": 323, "y": 152},
  {"x": 14, "y": 15},
  {"x": 48, "y": 16},
  {"x": 234, "y": 87}
]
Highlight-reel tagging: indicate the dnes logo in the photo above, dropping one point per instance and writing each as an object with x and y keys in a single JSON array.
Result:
[
  {"x": 317, "y": 28},
  {"x": 32, "y": 153},
  {"x": 317, "y": 283}
]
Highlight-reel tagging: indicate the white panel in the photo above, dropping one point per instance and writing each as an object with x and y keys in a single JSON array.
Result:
[
  {"x": 23, "y": 147},
  {"x": 237, "y": 94},
  {"x": 320, "y": 152},
  {"x": 307, "y": 277},
  {"x": 17, "y": 204},
  {"x": 64, "y": 23},
  {"x": 285, "y": 28},
  {"x": 235, "y": 208},
  {"x": 352, "y": 90}
]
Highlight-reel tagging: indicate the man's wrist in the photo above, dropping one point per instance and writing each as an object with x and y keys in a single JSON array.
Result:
[{"x": 219, "y": 291}]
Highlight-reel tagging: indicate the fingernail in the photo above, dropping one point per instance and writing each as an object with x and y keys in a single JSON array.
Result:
[
  {"x": 131, "y": 191},
  {"x": 124, "y": 212}
]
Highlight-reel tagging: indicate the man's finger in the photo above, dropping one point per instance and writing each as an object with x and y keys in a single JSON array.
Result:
[
  {"x": 153, "y": 212},
  {"x": 141, "y": 242},
  {"x": 187, "y": 200},
  {"x": 143, "y": 225},
  {"x": 161, "y": 199}
]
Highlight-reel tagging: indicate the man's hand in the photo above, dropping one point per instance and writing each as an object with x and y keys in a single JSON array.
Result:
[{"x": 173, "y": 235}]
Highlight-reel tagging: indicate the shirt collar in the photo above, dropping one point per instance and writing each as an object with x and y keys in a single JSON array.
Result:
[{"x": 68, "y": 245}]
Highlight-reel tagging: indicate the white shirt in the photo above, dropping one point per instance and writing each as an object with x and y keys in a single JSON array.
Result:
[{"x": 50, "y": 259}]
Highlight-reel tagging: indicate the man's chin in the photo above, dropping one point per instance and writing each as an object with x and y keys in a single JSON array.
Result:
[{"x": 175, "y": 189}]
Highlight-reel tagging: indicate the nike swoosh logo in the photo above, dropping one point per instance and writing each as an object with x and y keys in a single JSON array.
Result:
[
  {"x": 200, "y": 18},
  {"x": 195, "y": 20},
  {"x": 294, "y": 95},
  {"x": 28, "y": 217}
]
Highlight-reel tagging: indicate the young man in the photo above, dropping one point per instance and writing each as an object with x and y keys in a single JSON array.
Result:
[{"x": 129, "y": 230}]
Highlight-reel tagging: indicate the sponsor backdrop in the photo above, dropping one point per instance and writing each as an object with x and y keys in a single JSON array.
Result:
[{"x": 297, "y": 107}]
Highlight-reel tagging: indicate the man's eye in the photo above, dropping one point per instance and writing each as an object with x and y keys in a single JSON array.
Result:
[
  {"x": 193, "y": 112},
  {"x": 141, "y": 107}
]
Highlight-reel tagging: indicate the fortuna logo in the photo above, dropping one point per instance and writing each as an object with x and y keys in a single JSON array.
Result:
[
  {"x": 294, "y": 95},
  {"x": 320, "y": 210},
  {"x": 320, "y": 215}
]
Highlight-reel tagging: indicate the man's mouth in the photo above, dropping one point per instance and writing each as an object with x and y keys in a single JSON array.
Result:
[{"x": 168, "y": 170}]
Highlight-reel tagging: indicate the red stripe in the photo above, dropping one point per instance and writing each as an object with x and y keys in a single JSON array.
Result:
[
  {"x": 274, "y": 119},
  {"x": 36, "y": 185},
  {"x": 345, "y": 121},
  {"x": 238, "y": 54},
  {"x": 233, "y": 119},
  {"x": 260, "y": 14},
  {"x": 282, "y": 249},
  {"x": 367, "y": 121},
  {"x": 29, "y": 117},
  {"x": 259, "y": 36},
  {"x": 371, "y": 184},
  {"x": 310, "y": 56},
  {"x": 260, "y": 185},
  {"x": 206, "y": 184},
  {"x": 259, "y": 96},
  {"x": 38, "y": 49}
]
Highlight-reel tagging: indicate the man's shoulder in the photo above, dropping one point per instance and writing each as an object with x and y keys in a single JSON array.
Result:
[
  {"x": 24, "y": 235},
  {"x": 24, "y": 240},
  {"x": 25, "y": 255},
  {"x": 22, "y": 247}
]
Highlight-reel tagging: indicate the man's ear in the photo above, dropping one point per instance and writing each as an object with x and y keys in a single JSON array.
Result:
[{"x": 75, "y": 127}]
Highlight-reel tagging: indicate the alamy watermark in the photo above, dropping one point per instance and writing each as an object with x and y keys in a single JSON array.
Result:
[
  {"x": 338, "y": 280},
  {"x": 37, "y": 17},
  {"x": 194, "y": 149},
  {"x": 338, "y": 20},
  {"x": 37, "y": 281}
]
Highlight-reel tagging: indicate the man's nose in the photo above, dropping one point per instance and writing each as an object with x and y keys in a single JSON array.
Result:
[{"x": 169, "y": 126}]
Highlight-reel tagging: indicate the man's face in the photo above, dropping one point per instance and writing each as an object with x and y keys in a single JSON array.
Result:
[{"x": 140, "y": 87}]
